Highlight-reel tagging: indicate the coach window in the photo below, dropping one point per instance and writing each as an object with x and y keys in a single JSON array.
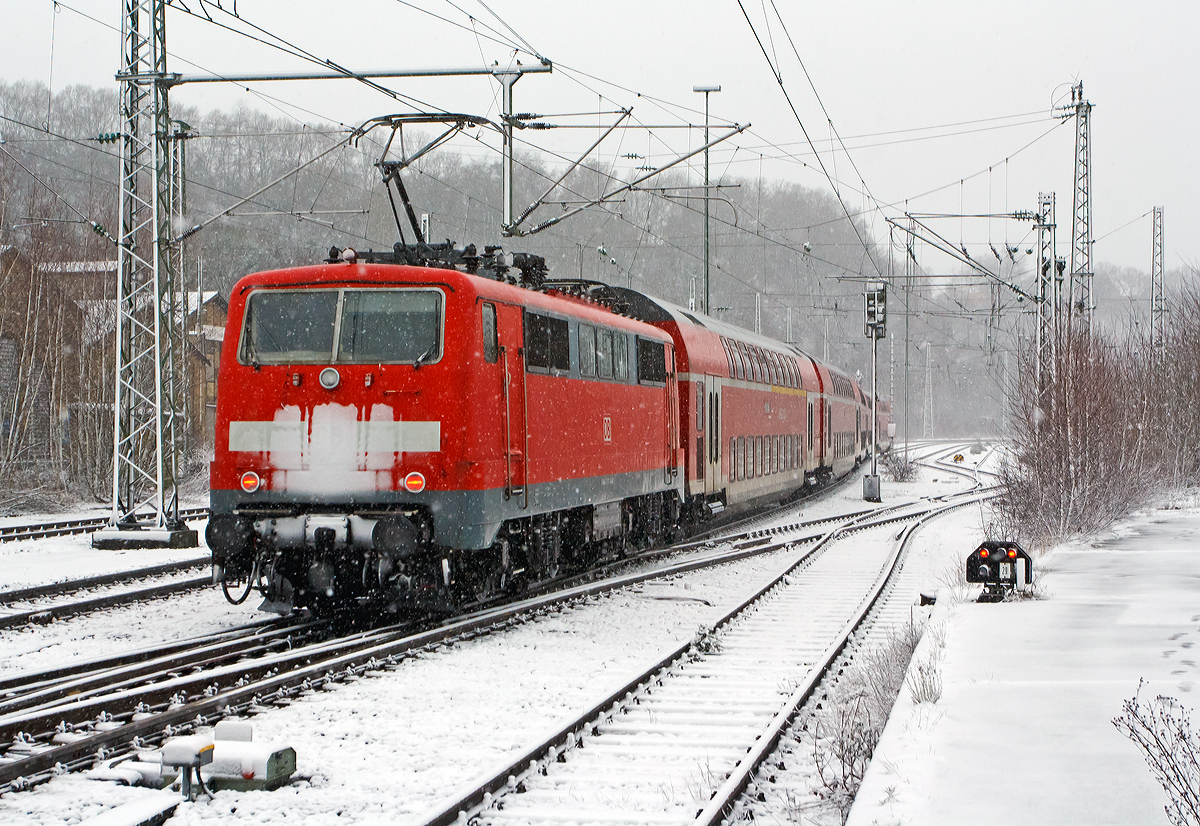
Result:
[
  {"x": 729, "y": 357},
  {"x": 604, "y": 353},
  {"x": 491, "y": 349},
  {"x": 652, "y": 361},
  {"x": 620, "y": 357},
  {"x": 547, "y": 343},
  {"x": 587, "y": 350}
]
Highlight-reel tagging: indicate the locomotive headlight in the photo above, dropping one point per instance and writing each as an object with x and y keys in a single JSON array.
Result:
[
  {"x": 414, "y": 482},
  {"x": 250, "y": 481},
  {"x": 329, "y": 378}
]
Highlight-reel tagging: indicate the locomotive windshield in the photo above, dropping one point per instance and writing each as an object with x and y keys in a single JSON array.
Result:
[{"x": 342, "y": 326}]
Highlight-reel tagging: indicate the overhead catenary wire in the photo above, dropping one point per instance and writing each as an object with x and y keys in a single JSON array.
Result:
[{"x": 779, "y": 79}]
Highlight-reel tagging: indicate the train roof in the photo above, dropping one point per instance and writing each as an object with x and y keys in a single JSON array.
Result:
[{"x": 652, "y": 309}]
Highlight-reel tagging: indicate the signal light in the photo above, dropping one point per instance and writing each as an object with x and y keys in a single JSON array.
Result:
[
  {"x": 414, "y": 482},
  {"x": 1012, "y": 553},
  {"x": 983, "y": 553},
  {"x": 250, "y": 481}
]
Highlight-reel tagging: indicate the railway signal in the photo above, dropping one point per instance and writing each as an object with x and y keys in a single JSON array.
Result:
[
  {"x": 1002, "y": 567},
  {"x": 876, "y": 312},
  {"x": 875, "y": 328}
]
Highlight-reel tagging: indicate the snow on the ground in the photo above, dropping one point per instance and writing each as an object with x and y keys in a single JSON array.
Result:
[
  {"x": 1023, "y": 732},
  {"x": 391, "y": 746},
  {"x": 34, "y": 562}
]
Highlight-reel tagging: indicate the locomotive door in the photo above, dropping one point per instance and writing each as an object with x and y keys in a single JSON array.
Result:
[
  {"x": 511, "y": 330},
  {"x": 712, "y": 452}
]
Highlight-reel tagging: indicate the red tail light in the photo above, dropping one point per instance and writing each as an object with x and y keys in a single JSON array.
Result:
[
  {"x": 414, "y": 482},
  {"x": 250, "y": 481}
]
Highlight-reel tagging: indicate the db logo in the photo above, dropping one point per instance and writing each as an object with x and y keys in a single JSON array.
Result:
[{"x": 608, "y": 429}]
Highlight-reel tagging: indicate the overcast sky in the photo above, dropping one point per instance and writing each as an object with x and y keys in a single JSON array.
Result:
[{"x": 945, "y": 107}]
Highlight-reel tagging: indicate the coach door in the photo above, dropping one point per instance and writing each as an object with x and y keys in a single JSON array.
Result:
[
  {"x": 712, "y": 451},
  {"x": 512, "y": 334}
]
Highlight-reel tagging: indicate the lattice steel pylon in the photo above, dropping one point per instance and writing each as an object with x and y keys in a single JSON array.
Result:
[
  {"x": 1081, "y": 226},
  {"x": 1158, "y": 303},
  {"x": 149, "y": 311},
  {"x": 1047, "y": 292}
]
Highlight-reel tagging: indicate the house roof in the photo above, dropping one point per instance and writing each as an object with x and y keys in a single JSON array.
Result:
[{"x": 69, "y": 267}]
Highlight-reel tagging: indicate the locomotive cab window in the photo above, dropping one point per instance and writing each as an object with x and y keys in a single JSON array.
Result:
[
  {"x": 547, "y": 346},
  {"x": 390, "y": 327},
  {"x": 342, "y": 326}
]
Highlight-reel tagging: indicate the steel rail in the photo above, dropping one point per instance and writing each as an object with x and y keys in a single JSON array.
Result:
[
  {"x": 183, "y": 700},
  {"x": 723, "y": 799},
  {"x": 87, "y": 606},
  {"x": 471, "y": 802},
  {"x": 68, "y": 527},
  {"x": 71, "y": 585}
]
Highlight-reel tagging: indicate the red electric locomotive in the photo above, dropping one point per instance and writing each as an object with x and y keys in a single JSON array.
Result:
[{"x": 402, "y": 435}]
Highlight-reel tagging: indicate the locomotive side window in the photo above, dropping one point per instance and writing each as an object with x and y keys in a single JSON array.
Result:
[
  {"x": 652, "y": 361},
  {"x": 547, "y": 346},
  {"x": 491, "y": 347},
  {"x": 604, "y": 354},
  {"x": 284, "y": 327},
  {"x": 587, "y": 350},
  {"x": 621, "y": 357},
  {"x": 390, "y": 327}
]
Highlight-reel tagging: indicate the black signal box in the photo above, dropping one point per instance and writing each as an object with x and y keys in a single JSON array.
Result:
[{"x": 1000, "y": 565}]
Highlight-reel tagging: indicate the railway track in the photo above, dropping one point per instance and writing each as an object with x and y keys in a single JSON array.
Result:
[
  {"x": 37, "y": 605},
  {"x": 680, "y": 742},
  {"x": 69, "y": 527},
  {"x": 52, "y": 728}
]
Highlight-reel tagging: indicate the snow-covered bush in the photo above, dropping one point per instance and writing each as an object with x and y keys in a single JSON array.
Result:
[
  {"x": 1084, "y": 442},
  {"x": 899, "y": 466},
  {"x": 847, "y": 728},
  {"x": 1108, "y": 425},
  {"x": 1162, "y": 730}
]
